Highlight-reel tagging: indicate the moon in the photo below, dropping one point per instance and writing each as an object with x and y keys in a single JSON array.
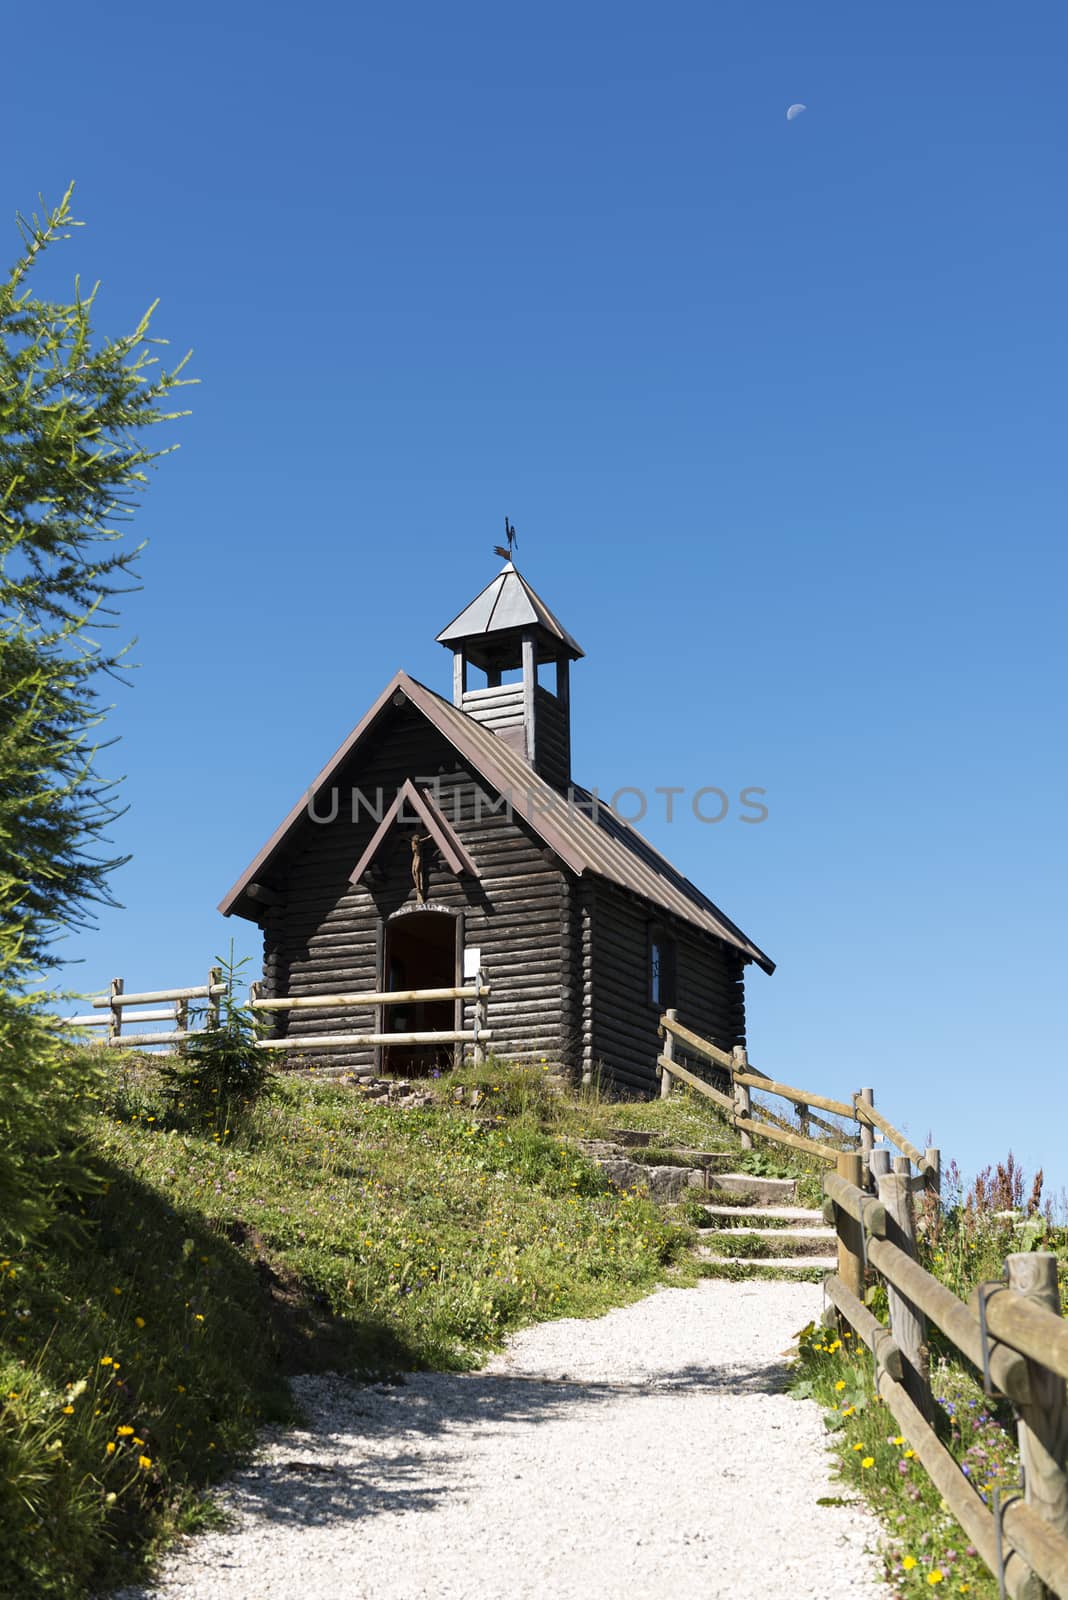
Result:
[{"x": 795, "y": 111}]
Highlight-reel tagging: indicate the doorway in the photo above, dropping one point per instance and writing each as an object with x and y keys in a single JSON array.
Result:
[{"x": 420, "y": 950}]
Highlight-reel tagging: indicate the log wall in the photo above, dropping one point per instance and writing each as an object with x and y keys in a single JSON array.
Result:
[{"x": 709, "y": 994}]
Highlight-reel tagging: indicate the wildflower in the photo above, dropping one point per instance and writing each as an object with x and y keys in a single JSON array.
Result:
[
  {"x": 105, "y": 1361},
  {"x": 909, "y": 1455},
  {"x": 935, "y": 1576},
  {"x": 847, "y": 1411},
  {"x": 840, "y": 1385},
  {"x": 110, "y": 1447},
  {"x": 869, "y": 1461},
  {"x": 139, "y": 1322},
  {"x": 125, "y": 1431},
  {"x": 908, "y": 1563},
  {"x": 858, "y": 1447},
  {"x": 68, "y": 1411},
  {"x": 898, "y": 1439},
  {"x": 144, "y": 1462}
]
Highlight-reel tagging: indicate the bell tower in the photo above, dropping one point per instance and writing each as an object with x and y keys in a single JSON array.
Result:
[{"x": 509, "y": 634}]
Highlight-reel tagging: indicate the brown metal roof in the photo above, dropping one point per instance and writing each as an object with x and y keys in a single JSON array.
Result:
[
  {"x": 505, "y": 604},
  {"x": 600, "y": 843}
]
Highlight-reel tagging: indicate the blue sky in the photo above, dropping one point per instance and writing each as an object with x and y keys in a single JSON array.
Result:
[{"x": 777, "y": 408}]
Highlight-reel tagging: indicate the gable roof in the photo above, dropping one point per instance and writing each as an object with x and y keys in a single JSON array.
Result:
[
  {"x": 505, "y": 604},
  {"x": 437, "y": 825},
  {"x": 587, "y": 837}
]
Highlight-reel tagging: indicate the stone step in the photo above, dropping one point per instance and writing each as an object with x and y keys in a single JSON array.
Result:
[
  {"x": 764, "y": 1191},
  {"x": 775, "y": 1241},
  {"x": 800, "y": 1216},
  {"x": 775, "y": 1263},
  {"x": 664, "y": 1184}
]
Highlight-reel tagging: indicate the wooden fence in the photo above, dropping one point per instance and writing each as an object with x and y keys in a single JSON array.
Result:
[
  {"x": 165, "y": 1005},
  {"x": 172, "y": 1005},
  {"x": 478, "y": 1035},
  {"x": 1011, "y": 1330},
  {"x": 743, "y": 1115}
]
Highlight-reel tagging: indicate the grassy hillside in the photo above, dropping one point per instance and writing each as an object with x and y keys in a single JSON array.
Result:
[{"x": 144, "y": 1341}]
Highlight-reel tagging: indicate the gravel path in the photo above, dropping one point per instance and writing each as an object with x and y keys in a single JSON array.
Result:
[{"x": 652, "y": 1449}]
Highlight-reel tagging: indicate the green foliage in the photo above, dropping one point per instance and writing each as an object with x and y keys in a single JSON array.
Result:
[
  {"x": 135, "y": 1363},
  {"x": 44, "y": 1085},
  {"x": 71, "y": 412},
  {"x": 221, "y": 1075},
  {"x": 925, "y": 1547},
  {"x": 965, "y": 1237}
]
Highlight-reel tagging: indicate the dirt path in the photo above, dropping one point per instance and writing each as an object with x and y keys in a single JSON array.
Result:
[{"x": 650, "y": 1450}]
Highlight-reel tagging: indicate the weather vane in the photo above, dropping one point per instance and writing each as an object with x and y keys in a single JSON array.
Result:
[{"x": 509, "y": 534}]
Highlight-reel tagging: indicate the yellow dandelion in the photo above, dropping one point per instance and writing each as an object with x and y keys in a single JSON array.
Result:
[
  {"x": 847, "y": 1411},
  {"x": 139, "y": 1322},
  {"x": 106, "y": 1361},
  {"x": 909, "y": 1455},
  {"x": 110, "y": 1447},
  {"x": 908, "y": 1563},
  {"x": 840, "y": 1385},
  {"x": 869, "y": 1461},
  {"x": 935, "y": 1577},
  {"x": 144, "y": 1462},
  {"x": 125, "y": 1431},
  {"x": 898, "y": 1439},
  {"x": 68, "y": 1411},
  {"x": 859, "y": 1447}
]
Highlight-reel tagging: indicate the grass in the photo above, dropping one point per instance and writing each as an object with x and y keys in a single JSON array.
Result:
[
  {"x": 145, "y": 1340},
  {"x": 144, "y": 1343},
  {"x": 924, "y": 1546}
]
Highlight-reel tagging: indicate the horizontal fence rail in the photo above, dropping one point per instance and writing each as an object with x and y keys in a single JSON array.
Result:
[{"x": 385, "y": 997}]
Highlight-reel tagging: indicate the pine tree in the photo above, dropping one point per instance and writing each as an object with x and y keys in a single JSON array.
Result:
[
  {"x": 72, "y": 459},
  {"x": 72, "y": 413}
]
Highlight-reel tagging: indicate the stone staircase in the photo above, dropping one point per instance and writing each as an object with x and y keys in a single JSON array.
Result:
[{"x": 749, "y": 1221}]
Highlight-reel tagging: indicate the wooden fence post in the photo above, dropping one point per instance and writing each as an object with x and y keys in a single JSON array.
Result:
[
  {"x": 867, "y": 1133},
  {"x": 850, "y": 1238},
  {"x": 742, "y": 1101},
  {"x": 908, "y": 1324},
  {"x": 933, "y": 1171},
  {"x": 802, "y": 1120},
  {"x": 214, "y": 977},
  {"x": 115, "y": 1017},
  {"x": 479, "y": 1051},
  {"x": 669, "y": 1053},
  {"x": 181, "y": 1023},
  {"x": 879, "y": 1165},
  {"x": 1043, "y": 1423}
]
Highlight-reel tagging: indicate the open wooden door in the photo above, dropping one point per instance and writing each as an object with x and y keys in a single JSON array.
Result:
[{"x": 420, "y": 950}]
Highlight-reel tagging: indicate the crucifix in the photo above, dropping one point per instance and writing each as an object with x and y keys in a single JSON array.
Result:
[{"x": 419, "y": 865}]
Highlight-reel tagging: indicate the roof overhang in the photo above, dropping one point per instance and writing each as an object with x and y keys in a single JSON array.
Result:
[{"x": 436, "y": 824}]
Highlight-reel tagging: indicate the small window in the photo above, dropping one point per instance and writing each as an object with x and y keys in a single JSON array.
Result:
[{"x": 661, "y": 969}]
